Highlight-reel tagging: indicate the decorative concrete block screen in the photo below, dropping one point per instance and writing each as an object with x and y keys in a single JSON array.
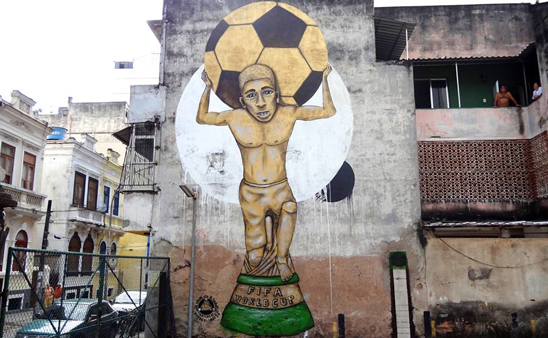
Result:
[
  {"x": 479, "y": 170},
  {"x": 539, "y": 164}
]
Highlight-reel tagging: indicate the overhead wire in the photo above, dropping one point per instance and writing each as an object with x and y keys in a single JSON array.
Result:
[{"x": 489, "y": 264}]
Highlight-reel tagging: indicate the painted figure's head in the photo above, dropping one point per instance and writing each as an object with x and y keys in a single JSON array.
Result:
[
  {"x": 503, "y": 89},
  {"x": 259, "y": 92},
  {"x": 535, "y": 86}
]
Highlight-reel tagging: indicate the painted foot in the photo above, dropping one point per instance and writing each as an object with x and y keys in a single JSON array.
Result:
[{"x": 285, "y": 272}]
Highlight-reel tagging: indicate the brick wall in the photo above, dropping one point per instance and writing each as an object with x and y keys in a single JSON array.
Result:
[
  {"x": 475, "y": 170},
  {"x": 539, "y": 165}
]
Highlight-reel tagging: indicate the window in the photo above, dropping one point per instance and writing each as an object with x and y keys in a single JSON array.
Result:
[
  {"x": 70, "y": 295},
  {"x": 15, "y": 303},
  {"x": 110, "y": 291},
  {"x": 123, "y": 65},
  {"x": 103, "y": 248},
  {"x": 116, "y": 202},
  {"x": 29, "y": 163},
  {"x": 21, "y": 241},
  {"x": 87, "y": 260},
  {"x": 7, "y": 156},
  {"x": 106, "y": 198},
  {"x": 431, "y": 93},
  {"x": 79, "y": 188},
  {"x": 92, "y": 194},
  {"x": 113, "y": 249},
  {"x": 74, "y": 260}
]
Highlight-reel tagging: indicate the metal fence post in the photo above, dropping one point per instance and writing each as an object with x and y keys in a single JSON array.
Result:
[
  {"x": 5, "y": 293},
  {"x": 162, "y": 306}
]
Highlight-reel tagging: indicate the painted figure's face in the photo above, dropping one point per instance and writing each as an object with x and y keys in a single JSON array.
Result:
[
  {"x": 259, "y": 97},
  {"x": 503, "y": 89},
  {"x": 535, "y": 86}
]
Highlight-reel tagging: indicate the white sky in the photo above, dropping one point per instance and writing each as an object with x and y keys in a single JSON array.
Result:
[{"x": 53, "y": 49}]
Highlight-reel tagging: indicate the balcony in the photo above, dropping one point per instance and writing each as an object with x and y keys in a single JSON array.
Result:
[
  {"x": 85, "y": 216},
  {"x": 29, "y": 203},
  {"x": 460, "y": 124}
]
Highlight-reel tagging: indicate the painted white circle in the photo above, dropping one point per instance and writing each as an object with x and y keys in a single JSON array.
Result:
[{"x": 316, "y": 151}]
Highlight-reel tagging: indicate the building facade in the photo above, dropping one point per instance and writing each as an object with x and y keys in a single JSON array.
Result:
[
  {"x": 22, "y": 139},
  {"x": 434, "y": 222},
  {"x": 87, "y": 208},
  {"x": 97, "y": 119}
]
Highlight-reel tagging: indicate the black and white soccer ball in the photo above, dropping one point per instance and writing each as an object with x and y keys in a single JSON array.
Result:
[{"x": 273, "y": 34}]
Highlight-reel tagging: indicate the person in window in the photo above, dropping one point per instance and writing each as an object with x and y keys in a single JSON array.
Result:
[
  {"x": 537, "y": 91},
  {"x": 503, "y": 98}
]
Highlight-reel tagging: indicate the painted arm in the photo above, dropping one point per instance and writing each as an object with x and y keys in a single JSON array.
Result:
[
  {"x": 206, "y": 117},
  {"x": 309, "y": 113},
  {"x": 496, "y": 100}
]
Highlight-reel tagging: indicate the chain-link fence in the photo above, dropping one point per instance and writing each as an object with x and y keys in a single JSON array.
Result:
[{"x": 79, "y": 295}]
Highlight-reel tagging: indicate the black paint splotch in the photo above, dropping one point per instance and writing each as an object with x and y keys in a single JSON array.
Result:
[{"x": 340, "y": 187}]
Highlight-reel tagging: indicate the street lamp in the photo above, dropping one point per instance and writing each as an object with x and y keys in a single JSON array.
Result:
[{"x": 191, "y": 193}]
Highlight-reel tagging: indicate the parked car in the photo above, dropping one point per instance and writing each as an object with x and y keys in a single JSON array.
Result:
[
  {"x": 75, "y": 319},
  {"x": 129, "y": 301},
  {"x": 130, "y": 304}
]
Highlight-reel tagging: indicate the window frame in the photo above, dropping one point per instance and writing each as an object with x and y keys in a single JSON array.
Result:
[
  {"x": 106, "y": 195},
  {"x": 116, "y": 203},
  {"x": 91, "y": 203},
  {"x": 432, "y": 92},
  {"x": 9, "y": 175},
  {"x": 21, "y": 256},
  {"x": 83, "y": 194},
  {"x": 32, "y": 167}
]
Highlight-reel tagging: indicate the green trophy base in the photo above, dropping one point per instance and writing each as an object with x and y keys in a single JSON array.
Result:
[{"x": 266, "y": 306}]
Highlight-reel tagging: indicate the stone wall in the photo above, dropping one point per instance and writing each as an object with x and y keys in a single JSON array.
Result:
[{"x": 341, "y": 249}]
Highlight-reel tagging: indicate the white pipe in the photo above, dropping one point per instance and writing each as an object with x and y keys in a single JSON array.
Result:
[
  {"x": 407, "y": 44},
  {"x": 458, "y": 82}
]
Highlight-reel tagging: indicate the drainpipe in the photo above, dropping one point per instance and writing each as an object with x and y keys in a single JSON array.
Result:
[
  {"x": 458, "y": 82},
  {"x": 407, "y": 44}
]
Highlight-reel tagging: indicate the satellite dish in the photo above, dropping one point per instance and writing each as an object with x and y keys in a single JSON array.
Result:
[{"x": 2, "y": 174}]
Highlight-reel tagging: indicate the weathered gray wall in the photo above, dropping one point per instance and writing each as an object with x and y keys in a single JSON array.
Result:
[
  {"x": 465, "y": 31},
  {"x": 340, "y": 249},
  {"x": 98, "y": 119},
  {"x": 475, "y": 284}
]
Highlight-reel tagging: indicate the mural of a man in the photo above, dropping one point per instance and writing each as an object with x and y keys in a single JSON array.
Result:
[{"x": 262, "y": 129}]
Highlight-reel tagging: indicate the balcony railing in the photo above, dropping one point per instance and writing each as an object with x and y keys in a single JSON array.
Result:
[
  {"x": 77, "y": 214},
  {"x": 25, "y": 198}
]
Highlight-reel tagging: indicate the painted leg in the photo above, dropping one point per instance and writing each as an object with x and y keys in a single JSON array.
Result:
[
  {"x": 255, "y": 256},
  {"x": 286, "y": 227},
  {"x": 268, "y": 229}
]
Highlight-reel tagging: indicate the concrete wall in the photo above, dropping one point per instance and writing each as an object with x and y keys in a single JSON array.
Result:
[
  {"x": 98, "y": 119},
  {"x": 341, "y": 249},
  {"x": 465, "y": 31},
  {"x": 474, "y": 124},
  {"x": 475, "y": 284}
]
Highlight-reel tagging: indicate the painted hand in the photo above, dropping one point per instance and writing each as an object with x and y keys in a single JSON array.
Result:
[
  {"x": 327, "y": 70},
  {"x": 206, "y": 79}
]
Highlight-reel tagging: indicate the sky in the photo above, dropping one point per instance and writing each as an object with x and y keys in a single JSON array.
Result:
[{"x": 53, "y": 49}]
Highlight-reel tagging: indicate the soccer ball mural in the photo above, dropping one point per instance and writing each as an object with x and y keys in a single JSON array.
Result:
[{"x": 273, "y": 34}]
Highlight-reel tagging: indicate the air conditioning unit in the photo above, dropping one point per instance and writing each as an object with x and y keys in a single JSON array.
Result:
[{"x": 113, "y": 261}]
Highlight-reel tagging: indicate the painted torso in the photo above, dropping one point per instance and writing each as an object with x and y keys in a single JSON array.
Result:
[{"x": 263, "y": 145}]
